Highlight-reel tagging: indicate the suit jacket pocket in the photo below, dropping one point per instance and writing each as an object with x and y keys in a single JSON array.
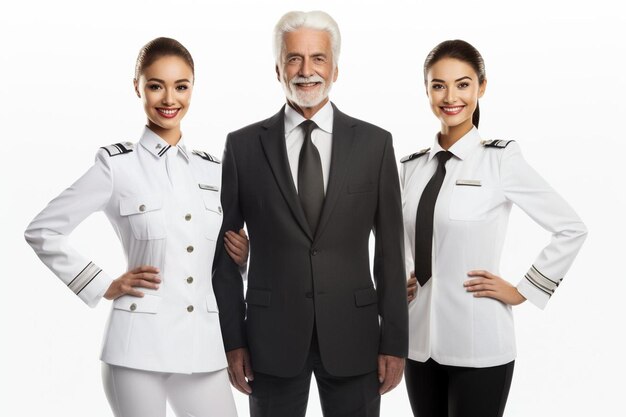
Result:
[
  {"x": 365, "y": 297},
  {"x": 258, "y": 297},
  {"x": 146, "y": 304},
  {"x": 361, "y": 187},
  {"x": 214, "y": 211},
  {"x": 145, "y": 215},
  {"x": 470, "y": 203},
  {"x": 211, "y": 303}
]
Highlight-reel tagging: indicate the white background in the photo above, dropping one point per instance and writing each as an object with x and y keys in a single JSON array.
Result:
[{"x": 556, "y": 85}]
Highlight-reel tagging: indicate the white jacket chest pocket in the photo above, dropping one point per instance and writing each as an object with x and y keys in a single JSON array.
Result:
[
  {"x": 213, "y": 210},
  {"x": 145, "y": 215},
  {"x": 471, "y": 200}
]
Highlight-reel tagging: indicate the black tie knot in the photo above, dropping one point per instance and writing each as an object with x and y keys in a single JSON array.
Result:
[
  {"x": 308, "y": 126},
  {"x": 443, "y": 156}
]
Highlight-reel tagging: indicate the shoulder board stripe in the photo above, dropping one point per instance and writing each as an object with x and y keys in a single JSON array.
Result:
[
  {"x": 207, "y": 156},
  {"x": 414, "y": 155},
  {"x": 118, "y": 148},
  {"x": 496, "y": 143}
]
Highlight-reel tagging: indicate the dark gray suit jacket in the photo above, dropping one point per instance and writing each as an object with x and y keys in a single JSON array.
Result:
[{"x": 296, "y": 279}]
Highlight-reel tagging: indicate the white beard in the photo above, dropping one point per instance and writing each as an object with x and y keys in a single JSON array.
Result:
[{"x": 303, "y": 98}]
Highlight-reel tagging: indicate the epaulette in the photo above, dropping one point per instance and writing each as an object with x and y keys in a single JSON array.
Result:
[
  {"x": 207, "y": 156},
  {"x": 119, "y": 148},
  {"x": 415, "y": 155},
  {"x": 496, "y": 143}
]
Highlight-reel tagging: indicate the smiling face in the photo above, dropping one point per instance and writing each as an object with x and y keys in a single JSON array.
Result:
[
  {"x": 165, "y": 88},
  {"x": 453, "y": 90},
  {"x": 307, "y": 71}
]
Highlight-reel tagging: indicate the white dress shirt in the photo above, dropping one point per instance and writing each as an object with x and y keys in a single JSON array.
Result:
[
  {"x": 164, "y": 204},
  {"x": 322, "y": 138},
  {"x": 482, "y": 182}
]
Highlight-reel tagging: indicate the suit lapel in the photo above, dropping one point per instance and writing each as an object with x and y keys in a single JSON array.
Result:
[
  {"x": 273, "y": 142},
  {"x": 343, "y": 140}
]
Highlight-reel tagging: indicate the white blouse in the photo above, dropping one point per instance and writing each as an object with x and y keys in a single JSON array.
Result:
[{"x": 483, "y": 180}]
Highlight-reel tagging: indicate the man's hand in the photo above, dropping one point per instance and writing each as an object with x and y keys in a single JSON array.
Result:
[
  {"x": 390, "y": 369},
  {"x": 237, "y": 246},
  {"x": 239, "y": 369}
]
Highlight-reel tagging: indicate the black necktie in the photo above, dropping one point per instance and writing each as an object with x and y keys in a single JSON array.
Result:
[
  {"x": 310, "y": 179},
  {"x": 424, "y": 221}
]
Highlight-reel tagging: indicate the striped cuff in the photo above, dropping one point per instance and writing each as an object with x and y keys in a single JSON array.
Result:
[
  {"x": 537, "y": 288},
  {"x": 84, "y": 278},
  {"x": 90, "y": 284},
  {"x": 542, "y": 282}
]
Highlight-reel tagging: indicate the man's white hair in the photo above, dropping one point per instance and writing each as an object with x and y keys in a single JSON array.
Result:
[{"x": 317, "y": 20}]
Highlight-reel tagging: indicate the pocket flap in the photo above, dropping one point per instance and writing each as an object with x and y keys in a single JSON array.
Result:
[
  {"x": 258, "y": 297},
  {"x": 146, "y": 304},
  {"x": 140, "y": 204},
  {"x": 365, "y": 297},
  {"x": 212, "y": 202},
  {"x": 211, "y": 303}
]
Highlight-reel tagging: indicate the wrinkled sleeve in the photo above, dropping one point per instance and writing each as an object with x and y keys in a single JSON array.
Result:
[
  {"x": 523, "y": 186},
  {"x": 48, "y": 233}
]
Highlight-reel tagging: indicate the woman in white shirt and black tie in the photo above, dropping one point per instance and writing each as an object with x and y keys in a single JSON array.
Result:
[{"x": 462, "y": 341}]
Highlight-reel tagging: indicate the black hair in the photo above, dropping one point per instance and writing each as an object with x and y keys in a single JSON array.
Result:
[
  {"x": 158, "y": 48},
  {"x": 462, "y": 51}
]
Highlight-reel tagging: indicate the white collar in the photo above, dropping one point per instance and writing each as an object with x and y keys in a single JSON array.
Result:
[
  {"x": 461, "y": 148},
  {"x": 158, "y": 147},
  {"x": 323, "y": 118}
]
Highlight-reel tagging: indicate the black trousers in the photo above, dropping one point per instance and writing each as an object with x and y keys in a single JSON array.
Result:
[
  {"x": 355, "y": 396},
  {"x": 454, "y": 391}
]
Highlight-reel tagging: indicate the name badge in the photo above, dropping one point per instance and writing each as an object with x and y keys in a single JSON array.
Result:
[
  {"x": 208, "y": 187},
  {"x": 470, "y": 183}
]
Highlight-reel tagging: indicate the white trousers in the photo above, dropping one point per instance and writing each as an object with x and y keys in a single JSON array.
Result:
[{"x": 137, "y": 393}]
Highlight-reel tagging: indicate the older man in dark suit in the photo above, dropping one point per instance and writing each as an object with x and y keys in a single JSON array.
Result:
[{"x": 311, "y": 184}]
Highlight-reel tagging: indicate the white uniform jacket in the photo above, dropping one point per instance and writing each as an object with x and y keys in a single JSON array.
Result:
[
  {"x": 164, "y": 204},
  {"x": 483, "y": 179}
]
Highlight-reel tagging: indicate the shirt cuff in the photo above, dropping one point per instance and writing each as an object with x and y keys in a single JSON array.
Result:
[
  {"x": 95, "y": 290},
  {"x": 243, "y": 270},
  {"x": 533, "y": 294}
]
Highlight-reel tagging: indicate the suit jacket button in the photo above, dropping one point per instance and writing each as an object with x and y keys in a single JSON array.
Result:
[
  {"x": 314, "y": 252},
  {"x": 133, "y": 307},
  {"x": 308, "y": 294}
]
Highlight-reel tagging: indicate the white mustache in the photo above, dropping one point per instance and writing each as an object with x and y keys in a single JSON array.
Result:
[{"x": 302, "y": 80}]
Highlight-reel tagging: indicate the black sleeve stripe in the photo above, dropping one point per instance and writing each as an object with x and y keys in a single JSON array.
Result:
[
  {"x": 539, "y": 272},
  {"x": 85, "y": 286},
  {"x": 543, "y": 289}
]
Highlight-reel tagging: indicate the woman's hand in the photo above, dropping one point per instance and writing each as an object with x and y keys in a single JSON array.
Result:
[
  {"x": 411, "y": 287},
  {"x": 237, "y": 246},
  {"x": 145, "y": 276},
  {"x": 486, "y": 284}
]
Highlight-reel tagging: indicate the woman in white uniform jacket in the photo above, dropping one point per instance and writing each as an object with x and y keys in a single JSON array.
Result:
[
  {"x": 163, "y": 201},
  {"x": 462, "y": 342}
]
